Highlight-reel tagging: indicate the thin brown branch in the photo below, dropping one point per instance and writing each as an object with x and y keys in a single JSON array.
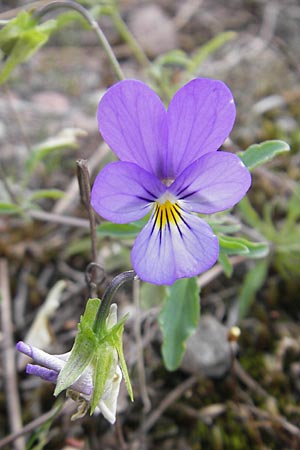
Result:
[
  {"x": 216, "y": 270},
  {"x": 70, "y": 200},
  {"x": 58, "y": 218},
  {"x": 85, "y": 195},
  {"x": 10, "y": 371},
  {"x": 34, "y": 424},
  {"x": 167, "y": 402},
  {"x": 245, "y": 378}
]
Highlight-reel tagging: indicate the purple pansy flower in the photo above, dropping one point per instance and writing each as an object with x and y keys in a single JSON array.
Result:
[{"x": 169, "y": 167}]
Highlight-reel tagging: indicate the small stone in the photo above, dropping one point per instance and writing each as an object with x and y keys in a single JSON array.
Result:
[
  {"x": 208, "y": 350},
  {"x": 50, "y": 102},
  {"x": 153, "y": 29}
]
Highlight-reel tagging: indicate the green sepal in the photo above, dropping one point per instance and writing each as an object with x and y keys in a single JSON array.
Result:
[
  {"x": 117, "y": 341},
  {"x": 83, "y": 350},
  {"x": 102, "y": 365}
]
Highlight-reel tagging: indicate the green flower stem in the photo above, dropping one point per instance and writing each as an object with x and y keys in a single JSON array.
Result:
[
  {"x": 94, "y": 25},
  {"x": 129, "y": 38},
  {"x": 137, "y": 50},
  {"x": 108, "y": 297}
]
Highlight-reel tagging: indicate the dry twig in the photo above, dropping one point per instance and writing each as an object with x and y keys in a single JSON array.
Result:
[
  {"x": 12, "y": 399},
  {"x": 166, "y": 402}
]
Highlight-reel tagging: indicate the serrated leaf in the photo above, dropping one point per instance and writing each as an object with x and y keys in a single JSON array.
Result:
[
  {"x": 178, "y": 319},
  {"x": 258, "y": 154},
  {"x": 253, "y": 281}
]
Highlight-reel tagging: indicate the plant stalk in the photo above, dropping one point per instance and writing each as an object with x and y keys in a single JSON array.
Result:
[{"x": 94, "y": 25}]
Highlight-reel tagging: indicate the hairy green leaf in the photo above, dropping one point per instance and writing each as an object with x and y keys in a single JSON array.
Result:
[
  {"x": 258, "y": 154},
  {"x": 178, "y": 319}
]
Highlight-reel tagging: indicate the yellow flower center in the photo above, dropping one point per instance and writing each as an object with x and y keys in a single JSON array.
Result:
[{"x": 166, "y": 213}]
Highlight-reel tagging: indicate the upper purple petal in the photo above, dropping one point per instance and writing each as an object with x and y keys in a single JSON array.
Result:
[
  {"x": 181, "y": 250},
  {"x": 200, "y": 117},
  {"x": 213, "y": 183},
  {"x": 124, "y": 192},
  {"x": 132, "y": 120}
]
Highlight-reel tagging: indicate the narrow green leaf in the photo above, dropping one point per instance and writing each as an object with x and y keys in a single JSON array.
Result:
[
  {"x": 253, "y": 281},
  {"x": 121, "y": 231},
  {"x": 249, "y": 213},
  {"x": 226, "y": 264},
  {"x": 210, "y": 47},
  {"x": 232, "y": 245},
  {"x": 46, "y": 193},
  {"x": 293, "y": 212},
  {"x": 9, "y": 208},
  {"x": 178, "y": 319},
  {"x": 118, "y": 231},
  {"x": 65, "y": 139},
  {"x": 178, "y": 57},
  {"x": 258, "y": 154},
  {"x": 256, "y": 249}
]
